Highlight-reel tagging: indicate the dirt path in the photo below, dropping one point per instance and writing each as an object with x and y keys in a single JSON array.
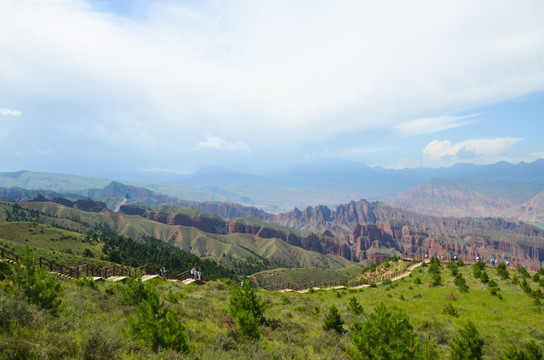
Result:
[{"x": 406, "y": 273}]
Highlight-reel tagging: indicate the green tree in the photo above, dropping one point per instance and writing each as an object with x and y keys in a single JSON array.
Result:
[
  {"x": 484, "y": 277},
  {"x": 247, "y": 309},
  {"x": 468, "y": 345},
  {"x": 532, "y": 352},
  {"x": 387, "y": 334},
  {"x": 135, "y": 291},
  {"x": 523, "y": 272},
  {"x": 333, "y": 321},
  {"x": 436, "y": 279},
  {"x": 38, "y": 287},
  {"x": 477, "y": 269},
  {"x": 460, "y": 282},
  {"x": 355, "y": 307},
  {"x": 502, "y": 271},
  {"x": 434, "y": 267},
  {"x": 157, "y": 327}
]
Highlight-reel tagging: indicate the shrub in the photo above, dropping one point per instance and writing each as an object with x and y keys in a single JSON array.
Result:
[
  {"x": 5, "y": 269},
  {"x": 86, "y": 281},
  {"x": 523, "y": 272},
  {"x": 525, "y": 286},
  {"x": 436, "y": 280},
  {"x": 502, "y": 271},
  {"x": 468, "y": 345},
  {"x": 451, "y": 297},
  {"x": 88, "y": 253},
  {"x": 417, "y": 280},
  {"x": 38, "y": 287},
  {"x": 460, "y": 282},
  {"x": 247, "y": 309},
  {"x": 133, "y": 292},
  {"x": 449, "y": 309},
  {"x": 100, "y": 346},
  {"x": 532, "y": 352},
  {"x": 157, "y": 327},
  {"x": 15, "y": 312},
  {"x": 333, "y": 321},
  {"x": 478, "y": 268},
  {"x": 484, "y": 277},
  {"x": 434, "y": 268},
  {"x": 355, "y": 307},
  {"x": 454, "y": 269},
  {"x": 386, "y": 282},
  {"x": 387, "y": 334}
]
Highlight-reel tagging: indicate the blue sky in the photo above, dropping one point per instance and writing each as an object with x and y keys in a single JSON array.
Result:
[{"x": 92, "y": 87}]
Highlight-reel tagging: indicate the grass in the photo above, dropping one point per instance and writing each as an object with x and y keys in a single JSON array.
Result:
[
  {"x": 185, "y": 237},
  {"x": 295, "y": 320}
]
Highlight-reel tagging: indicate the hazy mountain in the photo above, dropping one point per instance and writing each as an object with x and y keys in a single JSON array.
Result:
[
  {"x": 531, "y": 211},
  {"x": 50, "y": 181},
  {"x": 329, "y": 182},
  {"x": 458, "y": 197},
  {"x": 20, "y": 194},
  {"x": 525, "y": 172}
]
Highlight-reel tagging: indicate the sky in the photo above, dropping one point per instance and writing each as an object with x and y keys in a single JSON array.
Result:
[{"x": 96, "y": 87}]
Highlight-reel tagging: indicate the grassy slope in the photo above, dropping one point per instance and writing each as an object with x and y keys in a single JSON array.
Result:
[
  {"x": 65, "y": 247},
  {"x": 296, "y": 319},
  {"x": 187, "y": 238},
  {"x": 50, "y": 181}
]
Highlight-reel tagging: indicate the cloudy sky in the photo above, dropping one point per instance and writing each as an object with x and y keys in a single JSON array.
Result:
[{"x": 93, "y": 87}]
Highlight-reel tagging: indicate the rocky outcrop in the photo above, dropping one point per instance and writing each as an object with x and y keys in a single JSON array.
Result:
[
  {"x": 369, "y": 239},
  {"x": 531, "y": 211},
  {"x": 320, "y": 243},
  {"x": 81, "y": 204}
]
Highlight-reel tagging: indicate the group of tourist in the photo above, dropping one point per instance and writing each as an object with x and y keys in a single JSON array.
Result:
[
  {"x": 195, "y": 274},
  {"x": 160, "y": 271}
]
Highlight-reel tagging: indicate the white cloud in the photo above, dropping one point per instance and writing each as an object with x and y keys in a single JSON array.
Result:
[
  {"x": 474, "y": 150},
  {"x": 8, "y": 112},
  {"x": 288, "y": 73},
  {"x": 47, "y": 151},
  {"x": 433, "y": 124},
  {"x": 215, "y": 143},
  {"x": 302, "y": 70},
  {"x": 373, "y": 150}
]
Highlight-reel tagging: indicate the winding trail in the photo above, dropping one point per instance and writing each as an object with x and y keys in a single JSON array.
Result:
[{"x": 406, "y": 273}]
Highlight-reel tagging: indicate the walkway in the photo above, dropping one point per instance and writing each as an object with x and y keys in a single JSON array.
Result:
[{"x": 405, "y": 273}]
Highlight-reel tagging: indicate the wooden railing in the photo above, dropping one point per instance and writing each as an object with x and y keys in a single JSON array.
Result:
[
  {"x": 9, "y": 255},
  {"x": 76, "y": 272}
]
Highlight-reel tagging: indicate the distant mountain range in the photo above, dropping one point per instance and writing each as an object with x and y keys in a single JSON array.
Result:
[
  {"x": 477, "y": 198},
  {"x": 327, "y": 182}
]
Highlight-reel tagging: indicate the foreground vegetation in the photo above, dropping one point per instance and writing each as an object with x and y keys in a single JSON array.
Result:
[
  {"x": 439, "y": 311},
  {"x": 427, "y": 315}
]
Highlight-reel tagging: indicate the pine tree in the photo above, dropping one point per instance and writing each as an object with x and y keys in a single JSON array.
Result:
[
  {"x": 468, "y": 345},
  {"x": 156, "y": 326},
  {"x": 387, "y": 334},
  {"x": 333, "y": 321},
  {"x": 460, "y": 282},
  {"x": 39, "y": 288},
  {"x": 355, "y": 307},
  {"x": 502, "y": 271},
  {"x": 247, "y": 309}
]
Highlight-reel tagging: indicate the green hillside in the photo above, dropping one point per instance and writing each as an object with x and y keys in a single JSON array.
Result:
[
  {"x": 188, "y": 238},
  {"x": 100, "y": 320},
  {"x": 49, "y": 181}
]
